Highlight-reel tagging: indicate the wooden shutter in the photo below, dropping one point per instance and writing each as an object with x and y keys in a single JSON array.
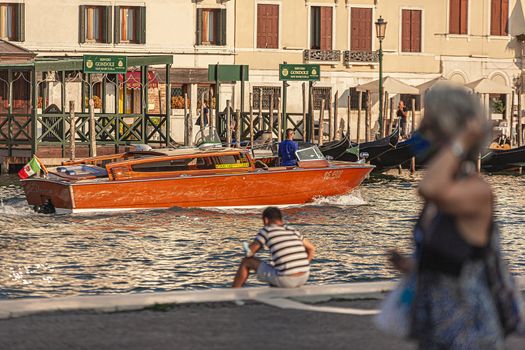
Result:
[
  {"x": 495, "y": 16},
  {"x": 81, "y": 24},
  {"x": 107, "y": 25},
  {"x": 463, "y": 19},
  {"x": 504, "y": 25},
  {"x": 261, "y": 26},
  {"x": 117, "y": 24},
  {"x": 361, "y": 31},
  {"x": 267, "y": 26},
  {"x": 454, "y": 15},
  {"x": 198, "y": 37},
  {"x": 326, "y": 28},
  {"x": 221, "y": 30},
  {"x": 406, "y": 42},
  {"x": 415, "y": 31},
  {"x": 20, "y": 22},
  {"x": 141, "y": 25}
]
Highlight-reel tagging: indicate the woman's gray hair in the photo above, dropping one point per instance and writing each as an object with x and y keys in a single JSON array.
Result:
[{"x": 448, "y": 108}]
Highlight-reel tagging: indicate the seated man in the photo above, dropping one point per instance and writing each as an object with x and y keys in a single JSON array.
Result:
[
  {"x": 287, "y": 149},
  {"x": 291, "y": 254}
]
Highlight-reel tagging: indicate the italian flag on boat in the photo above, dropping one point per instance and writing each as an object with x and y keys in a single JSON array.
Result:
[{"x": 31, "y": 168}]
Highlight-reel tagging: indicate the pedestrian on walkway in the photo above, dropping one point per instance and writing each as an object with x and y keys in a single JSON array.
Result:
[
  {"x": 463, "y": 295},
  {"x": 291, "y": 254}
]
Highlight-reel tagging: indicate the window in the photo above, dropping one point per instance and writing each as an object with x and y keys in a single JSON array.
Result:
[
  {"x": 12, "y": 22},
  {"x": 321, "y": 28},
  {"x": 319, "y": 94},
  {"x": 354, "y": 99},
  {"x": 458, "y": 21},
  {"x": 211, "y": 27},
  {"x": 361, "y": 31},
  {"x": 499, "y": 17},
  {"x": 130, "y": 25},
  {"x": 95, "y": 24},
  {"x": 174, "y": 165},
  {"x": 407, "y": 100},
  {"x": 266, "y": 92},
  {"x": 267, "y": 26},
  {"x": 411, "y": 31}
]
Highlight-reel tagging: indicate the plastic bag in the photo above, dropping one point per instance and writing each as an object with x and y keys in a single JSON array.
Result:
[{"x": 396, "y": 310}]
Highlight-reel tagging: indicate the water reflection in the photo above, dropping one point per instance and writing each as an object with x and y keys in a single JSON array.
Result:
[{"x": 192, "y": 249}]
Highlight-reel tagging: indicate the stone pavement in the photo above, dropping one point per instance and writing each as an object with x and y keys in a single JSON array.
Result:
[{"x": 312, "y": 317}]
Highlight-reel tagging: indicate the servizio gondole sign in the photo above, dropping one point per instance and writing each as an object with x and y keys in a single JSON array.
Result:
[
  {"x": 304, "y": 72},
  {"x": 105, "y": 64}
]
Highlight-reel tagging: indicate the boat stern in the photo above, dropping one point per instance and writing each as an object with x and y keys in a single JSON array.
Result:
[{"x": 47, "y": 195}]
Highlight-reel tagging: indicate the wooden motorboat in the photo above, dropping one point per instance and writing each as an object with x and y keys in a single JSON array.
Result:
[
  {"x": 501, "y": 159},
  {"x": 209, "y": 177},
  {"x": 399, "y": 156},
  {"x": 374, "y": 149}
]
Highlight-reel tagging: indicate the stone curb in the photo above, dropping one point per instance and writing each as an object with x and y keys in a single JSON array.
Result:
[{"x": 139, "y": 301}]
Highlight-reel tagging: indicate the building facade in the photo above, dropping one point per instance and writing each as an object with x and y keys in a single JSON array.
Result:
[{"x": 462, "y": 40}]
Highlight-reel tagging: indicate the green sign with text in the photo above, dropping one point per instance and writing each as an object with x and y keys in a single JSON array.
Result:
[
  {"x": 308, "y": 72},
  {"x": 105, "y": 64}
]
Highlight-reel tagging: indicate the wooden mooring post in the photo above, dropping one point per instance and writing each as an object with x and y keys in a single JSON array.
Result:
[
  {"x": 304, "y": 112},
  {"x": 391, "y": 121},
  {"x": 228, "y": 124},
  {"x": 336, "y": 116},
  {"x": 331, "y": 126},
  {"x": 321, "y": 123},
  {"x": 238, "y": 128},
  {"x": 312, "y": 119},
  {"x": 261, "y": 119},
  {"x": 251, "y": 119},
  {"x": 72, "y": 130},
  {"x": 359, "y": 108},
  {"x": 348, "y": 117},
  {"x": 279, "y": 121},
  {"x": 188, "y": 123},
  {"x": 368, "y": 117},
  {"x": 270, "y": 110},
  {"x": 211, "y": 110},
  {"x": 201, "y": 124},
  {"x": 412, "y": 129},
  {"x": 92, "y": 130}
]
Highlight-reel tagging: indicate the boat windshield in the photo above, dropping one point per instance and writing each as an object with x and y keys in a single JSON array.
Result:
[
  {"x": 310, "y": 153},
  {"x": 208, "y": 137}
]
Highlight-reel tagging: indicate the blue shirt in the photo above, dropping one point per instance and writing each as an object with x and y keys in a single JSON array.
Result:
[{"x": 287, "y": 150}]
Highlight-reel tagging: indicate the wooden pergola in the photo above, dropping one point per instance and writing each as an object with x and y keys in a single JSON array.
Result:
[{"x": 38, "y": 126}]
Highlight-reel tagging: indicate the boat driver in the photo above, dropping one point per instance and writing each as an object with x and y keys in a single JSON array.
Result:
[{"x": 287, "y": 149}]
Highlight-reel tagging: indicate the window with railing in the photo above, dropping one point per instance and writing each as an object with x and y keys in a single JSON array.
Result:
[
  {"x": 320, "y": 94},
  {"x": 266, "y": 92}
]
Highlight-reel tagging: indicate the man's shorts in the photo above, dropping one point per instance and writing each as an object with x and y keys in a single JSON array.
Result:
[{"x": 267, "y": 273}]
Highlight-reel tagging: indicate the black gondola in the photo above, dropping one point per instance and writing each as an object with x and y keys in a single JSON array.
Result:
[
  {"x": 500, "y": 160},
  {"x": 393, "y": 158},
  {"x": 373, "y": 148},
  {"x": 335, "y": 149}
]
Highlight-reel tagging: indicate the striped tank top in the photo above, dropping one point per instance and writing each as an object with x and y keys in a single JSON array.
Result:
[{"x": 286, "y": 247}]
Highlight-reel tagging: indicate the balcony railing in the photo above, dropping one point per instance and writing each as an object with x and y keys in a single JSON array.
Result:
[
  {"x": 352, "y": 57},
  {"x": 328, "y": 56}
]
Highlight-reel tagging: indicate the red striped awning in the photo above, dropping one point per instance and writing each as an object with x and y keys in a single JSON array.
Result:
[{"x": 133, "y": 80}]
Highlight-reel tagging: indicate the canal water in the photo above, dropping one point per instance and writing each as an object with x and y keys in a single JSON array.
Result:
[{"x": 179, "y": 249}]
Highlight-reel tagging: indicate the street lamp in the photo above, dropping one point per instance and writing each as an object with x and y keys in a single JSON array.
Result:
[{"x": 380, "y": 33}]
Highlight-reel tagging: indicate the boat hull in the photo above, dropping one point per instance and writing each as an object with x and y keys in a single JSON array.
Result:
[{"x": 253, "y": 189}]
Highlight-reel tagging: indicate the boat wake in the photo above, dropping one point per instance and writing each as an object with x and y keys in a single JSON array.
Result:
[
  {"x": 351, "y": 199},
  {"x": 15, "y": 207}
]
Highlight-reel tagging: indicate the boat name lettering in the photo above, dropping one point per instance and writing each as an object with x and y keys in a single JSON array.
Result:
[{"x": 332, "y": 175}]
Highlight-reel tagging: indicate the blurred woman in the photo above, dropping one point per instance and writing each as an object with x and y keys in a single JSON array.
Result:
[{"x": 454, "y": 307}]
